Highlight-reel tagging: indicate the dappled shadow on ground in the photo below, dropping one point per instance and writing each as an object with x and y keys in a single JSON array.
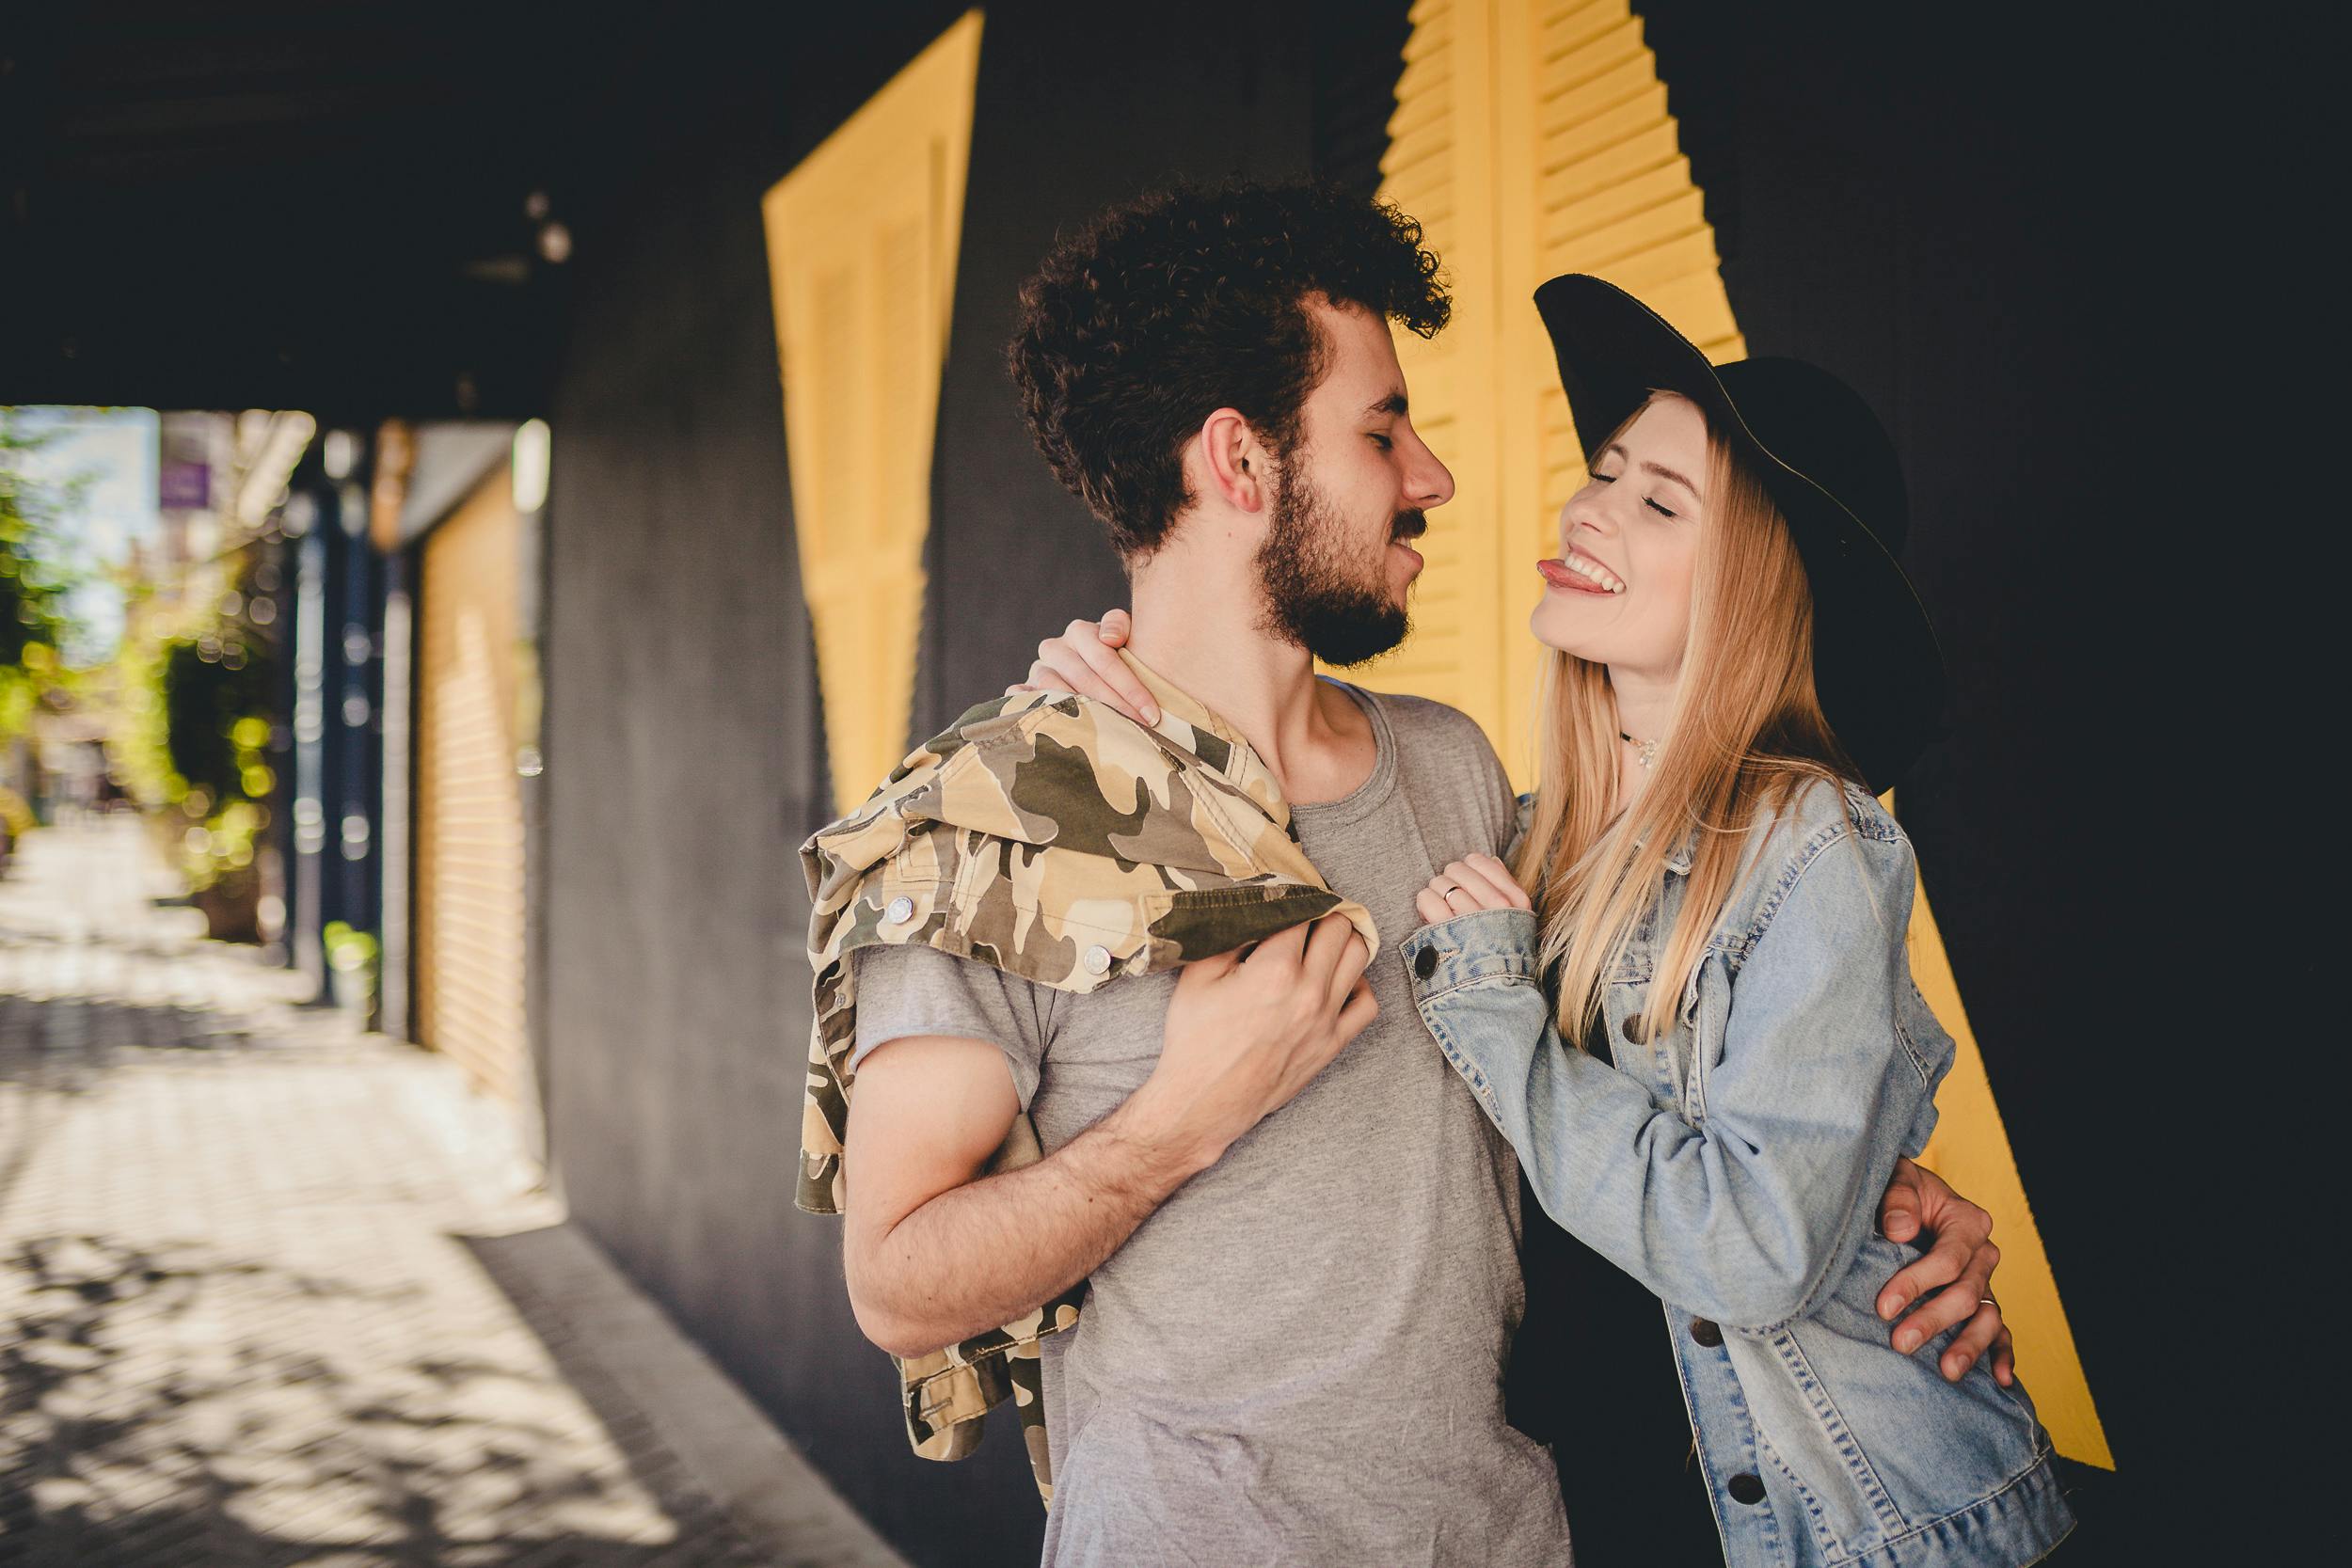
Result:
[{"x": 155, "y": 1409}]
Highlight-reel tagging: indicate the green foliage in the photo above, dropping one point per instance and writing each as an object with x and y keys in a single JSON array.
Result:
[
  {"x": 212, "y": 694},
  {"x": 347, "y": 948},
  {"x": 33, "y": 581}
]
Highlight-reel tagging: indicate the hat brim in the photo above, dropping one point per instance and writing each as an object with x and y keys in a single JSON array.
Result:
[{"x": 1877, "y": 666}]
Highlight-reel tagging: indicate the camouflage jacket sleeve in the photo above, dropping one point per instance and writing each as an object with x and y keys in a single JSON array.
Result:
[{"x": 1053, "y": 839}]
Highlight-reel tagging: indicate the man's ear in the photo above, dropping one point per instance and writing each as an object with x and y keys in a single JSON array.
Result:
[{"x": 1238, "y": 471}]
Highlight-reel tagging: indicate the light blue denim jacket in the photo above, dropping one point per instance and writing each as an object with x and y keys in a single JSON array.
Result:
[{"x": 1733, "y": 1164}]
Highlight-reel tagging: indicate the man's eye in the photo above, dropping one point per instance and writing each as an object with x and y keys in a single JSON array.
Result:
[
  {"x": 1655, "y": 507},
  {"x": 1383, "y": 443}
]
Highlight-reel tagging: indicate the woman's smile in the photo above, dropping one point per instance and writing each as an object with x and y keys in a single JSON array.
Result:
[{"x": 1579, "y": 573}]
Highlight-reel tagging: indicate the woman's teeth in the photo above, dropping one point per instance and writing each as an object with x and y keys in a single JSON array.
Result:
[{"x": 1592, "y": 571}]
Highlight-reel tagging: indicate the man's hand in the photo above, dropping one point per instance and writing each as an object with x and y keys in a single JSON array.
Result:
[
  {"x": 1958, "y": 1269},
  {"x": 1245, "y": 1035},
  {"x": 937, "y": 1251}
]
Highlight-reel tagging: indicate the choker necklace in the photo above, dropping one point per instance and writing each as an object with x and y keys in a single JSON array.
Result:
[{"x": 1647, "y": 748}]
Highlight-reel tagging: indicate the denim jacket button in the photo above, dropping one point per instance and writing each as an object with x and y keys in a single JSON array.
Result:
[
  {"x": 1426, "y": 962},
  {"x": 1706, "y": 1333},
  {"x": 1747, "y": 1488}
]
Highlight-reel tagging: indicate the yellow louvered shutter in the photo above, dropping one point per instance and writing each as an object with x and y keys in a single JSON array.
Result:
[
  {"x": 1531, "y": 138},
  {"x": 1441, "y": 170},
  {"x": 861, "y": 244},
  {"x": 470, "y": 911}
]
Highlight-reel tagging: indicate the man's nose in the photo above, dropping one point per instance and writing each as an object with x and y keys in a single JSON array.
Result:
[{"x": 1432, "y": 483}]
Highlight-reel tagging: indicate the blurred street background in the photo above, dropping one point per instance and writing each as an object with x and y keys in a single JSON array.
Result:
[{"x": 282, "y": 1292}]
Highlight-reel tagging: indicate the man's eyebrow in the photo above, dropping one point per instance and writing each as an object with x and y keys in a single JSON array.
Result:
[
  {"x": 1657, "y": 468},
  {"x": 1393, "y": 403}
]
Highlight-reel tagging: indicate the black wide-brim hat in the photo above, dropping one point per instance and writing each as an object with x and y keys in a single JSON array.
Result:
[{"x": 1826, "y": 462}]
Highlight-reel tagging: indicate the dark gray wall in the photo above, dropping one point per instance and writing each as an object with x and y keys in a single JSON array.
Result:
[
  {"x": 684, "y": 750},
  {"x": 1960, "y": 223}
]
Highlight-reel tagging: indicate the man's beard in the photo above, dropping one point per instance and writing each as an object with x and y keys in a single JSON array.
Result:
[{"x": 1317, "y": 596}]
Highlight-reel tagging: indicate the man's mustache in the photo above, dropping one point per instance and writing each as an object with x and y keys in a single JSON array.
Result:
[{"x": 1409, "y": 525}]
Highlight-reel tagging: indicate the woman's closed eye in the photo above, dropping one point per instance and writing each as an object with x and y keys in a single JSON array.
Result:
[{"x": 1650, "y": 501}]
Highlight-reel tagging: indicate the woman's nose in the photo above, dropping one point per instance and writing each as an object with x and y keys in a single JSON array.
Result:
[{"x": 1582, "y": 513}]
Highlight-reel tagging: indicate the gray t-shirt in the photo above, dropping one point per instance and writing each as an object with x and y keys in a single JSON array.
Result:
[{"x": 1298, "y": 1359}]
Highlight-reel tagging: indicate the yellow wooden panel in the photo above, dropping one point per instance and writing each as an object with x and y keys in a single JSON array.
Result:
[
  {"x": 469, "y": 900},
  {"x": 1628, "y": 119},
  {"x": 862, "y": 245},
  {"x": 1440, "y": 167},
  {"x": 1560, "y": 28}
]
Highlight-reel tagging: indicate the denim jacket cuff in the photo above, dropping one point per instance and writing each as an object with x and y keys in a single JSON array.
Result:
[{"x": 1488, "y": 945}]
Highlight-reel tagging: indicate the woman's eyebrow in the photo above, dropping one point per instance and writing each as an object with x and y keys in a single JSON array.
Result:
[
  {"x": 1657, "y": 468},
  {"x": 1664, "y": 472}
]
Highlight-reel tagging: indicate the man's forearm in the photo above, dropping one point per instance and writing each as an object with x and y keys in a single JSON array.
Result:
[{"x": 984, "y": 1253}]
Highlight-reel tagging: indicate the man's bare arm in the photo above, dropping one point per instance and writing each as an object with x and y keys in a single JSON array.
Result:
[{"x": 936, "y": 1253}]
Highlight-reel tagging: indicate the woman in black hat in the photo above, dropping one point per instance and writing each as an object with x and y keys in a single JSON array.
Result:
[{"x": 1717, "y": 914}]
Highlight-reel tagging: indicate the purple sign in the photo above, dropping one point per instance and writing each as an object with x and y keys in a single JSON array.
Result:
[{"x": 184, "y": 485}]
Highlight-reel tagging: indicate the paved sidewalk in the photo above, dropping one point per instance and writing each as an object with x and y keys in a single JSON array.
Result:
[{"x": 275, "y": 1293}]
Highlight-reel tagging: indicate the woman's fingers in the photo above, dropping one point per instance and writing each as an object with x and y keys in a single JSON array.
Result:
[
  {"x": 1971, "y": 1343},
  {"x": 1465, "y": 887},
  {"x": 1080, "y": 661},
  {"x": 1062, "y": 665},
  {"x": 1430, "y": 907},
  {"x": 1490, "y": 881},
  {"x": 1115, "y": 626},
  {"x": 1128, "y": 693},
  {"x": 1967, "y": 1300}
]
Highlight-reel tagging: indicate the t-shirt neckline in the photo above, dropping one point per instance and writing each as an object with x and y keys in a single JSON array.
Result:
[{"x": 1378, "y": 785}]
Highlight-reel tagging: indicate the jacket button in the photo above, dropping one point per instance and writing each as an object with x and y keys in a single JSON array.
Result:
[
  {"x": 1631, "y": 1028},
  {"x": 1426, "y": 962},
  {"x": 1097, "y": 959},
  {"x": 1706, "y": 1333},
  {"x": 901, "y": 910},
  {"x": 1746, "y": 1488}
]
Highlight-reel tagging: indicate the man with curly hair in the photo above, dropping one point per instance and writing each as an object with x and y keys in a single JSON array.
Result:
[{"x": 1298, "y": 1233}]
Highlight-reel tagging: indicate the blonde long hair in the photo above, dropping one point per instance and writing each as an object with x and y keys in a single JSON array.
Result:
[{"x": 1746, "y": 732}]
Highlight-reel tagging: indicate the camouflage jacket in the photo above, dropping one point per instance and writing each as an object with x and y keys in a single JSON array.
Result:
[{"x": 1057, "y": 841}]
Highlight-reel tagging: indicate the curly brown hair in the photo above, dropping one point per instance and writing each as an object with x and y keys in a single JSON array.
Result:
[{"x": 1162, "y": 309}]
